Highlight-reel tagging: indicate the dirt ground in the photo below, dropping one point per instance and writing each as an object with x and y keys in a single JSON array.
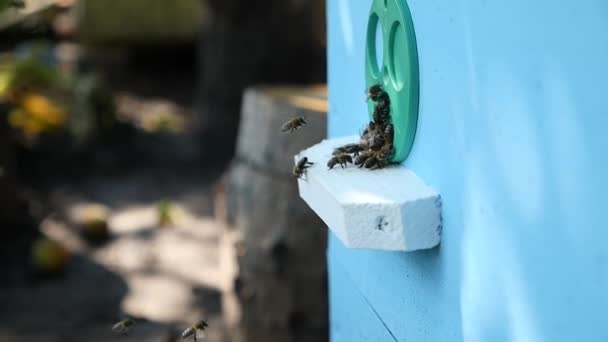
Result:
[{"x": 165, "y": 277}]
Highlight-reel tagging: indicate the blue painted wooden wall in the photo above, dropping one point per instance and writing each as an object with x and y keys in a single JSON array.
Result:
[{"x": 513, "y": 132}]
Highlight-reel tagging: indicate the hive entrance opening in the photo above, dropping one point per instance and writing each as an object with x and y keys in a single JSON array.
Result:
[{"x": 392, "y": 62}]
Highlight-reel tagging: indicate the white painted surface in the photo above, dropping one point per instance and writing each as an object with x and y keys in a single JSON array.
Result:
[{"x": 386, "y": 209}]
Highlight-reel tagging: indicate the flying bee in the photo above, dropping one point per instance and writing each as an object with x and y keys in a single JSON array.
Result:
[
  {"x": 341, "y": 159},
  {"x": 197, "y": 330},
  {"x": 301, "y": 166},
  {"x": 349, "y": 148},
  {"x": 124, "y": 326},
  {"x": 293, "y": 124},
  {"x": 373, "y": 91}
]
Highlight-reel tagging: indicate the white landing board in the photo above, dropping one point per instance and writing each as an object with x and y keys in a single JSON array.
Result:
[{"x": 385, "y": 209}]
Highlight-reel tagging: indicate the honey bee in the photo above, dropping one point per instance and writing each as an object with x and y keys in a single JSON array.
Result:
[
  {"x": 341, "y": 159},
  {"x": 381, "y": 115},
  {"x": 370, "y": 127},
  {"x": 124, "y": 326},
  {"x": 373, "y": 91},
  {"x": 293, "y": 124},
  {"x": 383, "y": 100},
  {"x": 349, "y": 148},
  {"x": 377, "y": 141},
  {"x": 362, "y": 158},
  {"x": 301, "y": 166},
  {"x": 368, "y": 134},
  {"x": 385, "y": 153},
  {"x": 389, "y": 133},
  {"x": 372, "y": 160},
  {"x": 377, "y": 161},
  {"x": 197, "y": 330}
]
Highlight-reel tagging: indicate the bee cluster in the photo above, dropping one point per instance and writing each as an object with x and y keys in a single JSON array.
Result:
[{"x": 375, "y": 147}]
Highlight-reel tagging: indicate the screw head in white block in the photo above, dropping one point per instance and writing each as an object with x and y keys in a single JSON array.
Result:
[{"x": 385, "y": 209}]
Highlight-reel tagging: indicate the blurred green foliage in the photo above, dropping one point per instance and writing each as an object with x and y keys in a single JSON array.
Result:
[
  {"x": 44, "y": 99},
  {"x": 4, "y": 4},
  {"x": 138, "y": 21},
  {"x": 165, "y": 213},
  {"x": 31, "y": 70}
]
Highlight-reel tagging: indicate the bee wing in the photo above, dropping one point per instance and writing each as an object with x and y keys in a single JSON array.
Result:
[
  {"x": 187, "y": 332},
  {"x": 200, "y": 333},
  {"x": 120, "y": 328}
]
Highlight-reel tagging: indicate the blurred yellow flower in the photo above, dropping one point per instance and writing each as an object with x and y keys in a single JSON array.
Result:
[
  {"x": 43, "y": 109},
  {"x": 36, "y": 114}
]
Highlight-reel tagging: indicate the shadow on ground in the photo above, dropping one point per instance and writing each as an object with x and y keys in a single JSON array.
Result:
[{"x": 166, "y": 277}]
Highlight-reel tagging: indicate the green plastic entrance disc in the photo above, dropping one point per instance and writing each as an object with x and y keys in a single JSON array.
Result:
[{"x": 397, "y": 72}]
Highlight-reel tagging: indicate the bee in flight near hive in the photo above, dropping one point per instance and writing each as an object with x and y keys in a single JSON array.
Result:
[
  {"x": 196, "y": 331},
  {"x": 124, "y": 326},
  {"x": 301, "y": 166},
  {"x": 342, "y": 159},
  {"x": 293, "y": 124}
]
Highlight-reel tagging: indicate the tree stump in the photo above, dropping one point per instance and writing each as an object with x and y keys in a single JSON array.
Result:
[
  {"x": 281, "y": 281},
  {"x": 246, "y": 43}
]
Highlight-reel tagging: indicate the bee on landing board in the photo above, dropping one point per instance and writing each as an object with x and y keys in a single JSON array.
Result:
[
  {"x": 341, "y": 159},
  {"x": 124, "y": 326},
  {"x": 385, "y": 153},
  {"x": 360, "y": 160},
  {"x": 293, "y": 124},
  {"x": 354, "y": 149},
  {"x": 196, "y": 331},
  {"x": 300, "y": 169},
  {"x": 374, "y": 160}
]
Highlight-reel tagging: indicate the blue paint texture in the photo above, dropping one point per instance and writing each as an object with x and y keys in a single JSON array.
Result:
[{"x": 512, "y": 133}]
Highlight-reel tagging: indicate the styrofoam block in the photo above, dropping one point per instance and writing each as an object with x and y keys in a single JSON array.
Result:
[{"x": 385, "y": 209}]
